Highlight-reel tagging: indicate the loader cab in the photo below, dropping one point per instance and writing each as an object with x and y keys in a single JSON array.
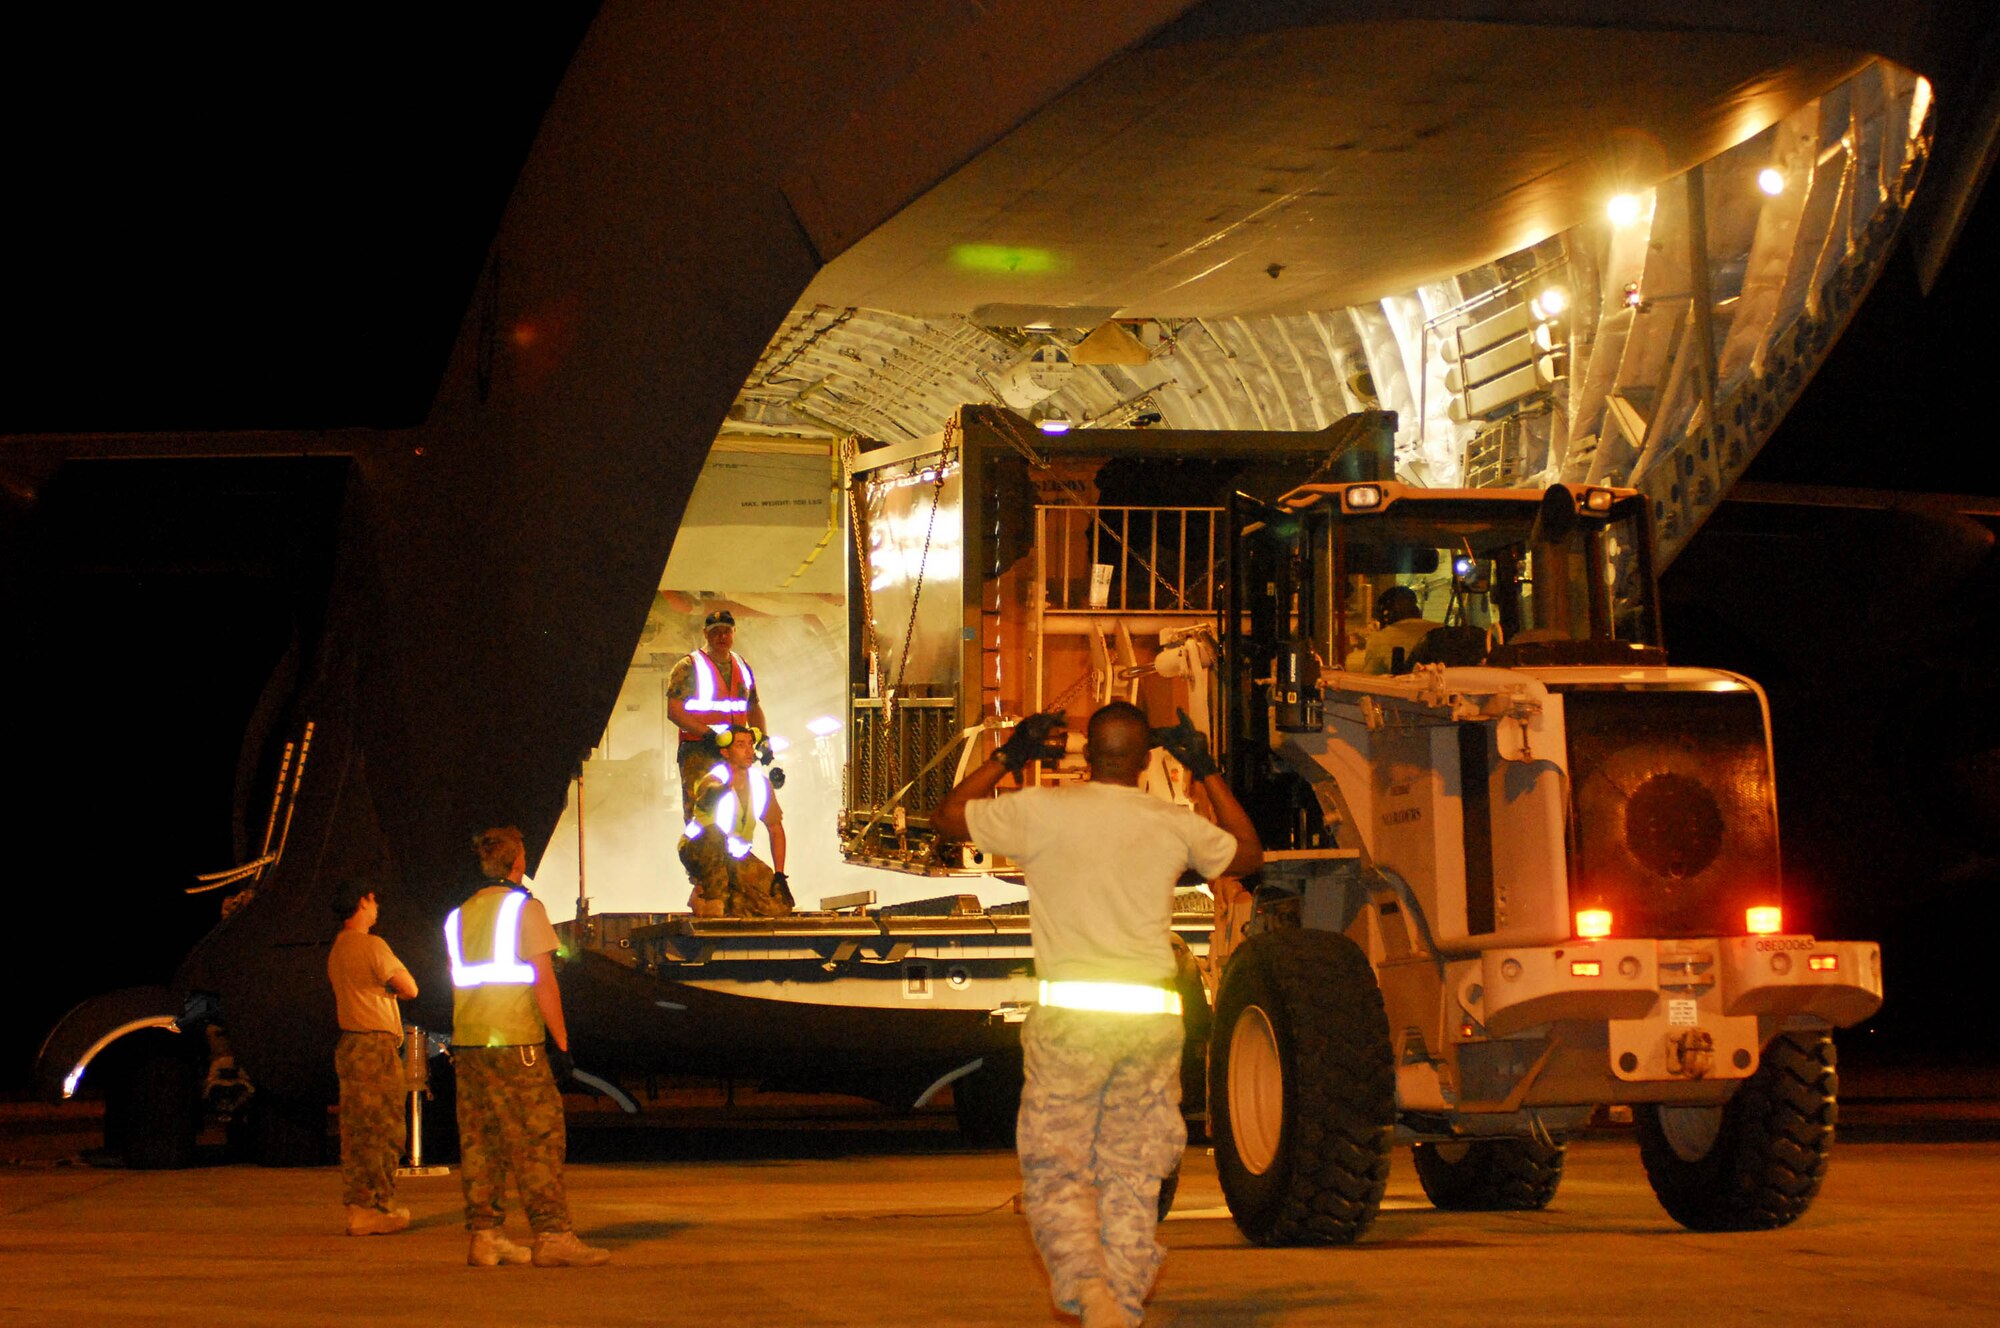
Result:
[{"x": 1500, "y": 577}]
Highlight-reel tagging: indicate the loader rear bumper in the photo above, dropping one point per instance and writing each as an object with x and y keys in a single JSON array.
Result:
[{"x": 1679, "y": 983}]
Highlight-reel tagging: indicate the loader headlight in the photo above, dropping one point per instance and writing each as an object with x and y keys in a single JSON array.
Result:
[{"x": 1361, "y": 498}]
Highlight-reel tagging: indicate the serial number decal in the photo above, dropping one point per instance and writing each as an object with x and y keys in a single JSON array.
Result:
[
  {"x": 1404, "y": 816},
  {"x": 1681, "y": 1012},
  {"x": 1769, "y": 943}
]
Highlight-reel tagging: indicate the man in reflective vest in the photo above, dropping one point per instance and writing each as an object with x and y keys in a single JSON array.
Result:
[
  {"x": 730, "y": 798},
  {"x": 709, "y": 693},
  {"x": 505, "y": 1004},
  {"x": 1100, "y": 1124}
]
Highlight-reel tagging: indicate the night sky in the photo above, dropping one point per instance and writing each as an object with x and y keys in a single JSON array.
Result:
[{"x": 145, "y": 614}]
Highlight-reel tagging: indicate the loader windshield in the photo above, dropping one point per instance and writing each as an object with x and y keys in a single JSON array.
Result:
[{"x": 1487, "y": 568}]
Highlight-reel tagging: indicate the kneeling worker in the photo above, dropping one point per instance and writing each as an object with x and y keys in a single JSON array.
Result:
[
  {"x": 728, "y": 802},
  {"x": 1100, "y": 1123},
  {"x": 505, "y": 1004}
]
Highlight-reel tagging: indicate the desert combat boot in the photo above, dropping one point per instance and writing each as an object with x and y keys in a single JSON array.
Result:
[
  {"x": 375, "y": 1222},
  {"x": 490, "y": 1249},
  {"x": 562, "y": 1249}
]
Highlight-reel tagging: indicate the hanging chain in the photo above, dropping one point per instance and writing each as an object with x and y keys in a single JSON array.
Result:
[{"x": 893, "y": 691}]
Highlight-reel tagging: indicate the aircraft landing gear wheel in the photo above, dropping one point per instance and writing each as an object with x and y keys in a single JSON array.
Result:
[
  {"x": 1490, "y": 1175},
  {"x": 1757, "y": 1162},
  {"x": 988, "y": 1101},
  {"x": 153, "y": 1112},
  {"x": 1301, "y": 1089}
]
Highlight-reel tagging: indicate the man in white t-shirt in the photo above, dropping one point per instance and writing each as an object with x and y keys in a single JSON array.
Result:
[
  {"x": 367, "y": 979},
  {"x": 1100, "y": 1122}
]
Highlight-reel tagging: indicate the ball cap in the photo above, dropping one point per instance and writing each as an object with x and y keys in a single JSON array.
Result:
[{"x": 719, "y": 618}]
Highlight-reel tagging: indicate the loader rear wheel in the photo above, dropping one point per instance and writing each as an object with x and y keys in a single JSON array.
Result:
[
  {"x": 1490, "y": 1175},
  {"x": 1756, "y": 1163},
  {"x": 1301, "y": 1089}
]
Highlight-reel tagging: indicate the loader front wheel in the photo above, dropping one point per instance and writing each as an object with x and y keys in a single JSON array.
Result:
[
  {"x": 1301, "y": 1089},
  {"x": 1757, "y": 1162},
  {"x": 1490, "y": 1175}
]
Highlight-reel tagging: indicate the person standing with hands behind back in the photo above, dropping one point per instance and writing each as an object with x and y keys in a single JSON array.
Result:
[
  {"x": 1100, "y": 1122},
  {"x": 505, "y": 1004},
  {"x": 367, "y": 978}
]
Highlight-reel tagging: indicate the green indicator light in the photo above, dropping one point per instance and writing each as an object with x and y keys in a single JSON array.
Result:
[{"x": 1003, "y": 258}]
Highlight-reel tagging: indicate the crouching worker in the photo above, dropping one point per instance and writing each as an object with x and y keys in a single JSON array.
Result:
[
  {"x": 505, "y": 1005},
  {"x": 367, "y": 978},
  {"x": 728, "y": 879},
  {"x": 1100, "y": 1123}
]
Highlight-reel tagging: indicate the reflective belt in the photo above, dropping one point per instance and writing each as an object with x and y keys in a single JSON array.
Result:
[
  {"x": 505, "y": 968},
  {"x": 1115, "y": 997},
  {"x": 707, "y": 684}
]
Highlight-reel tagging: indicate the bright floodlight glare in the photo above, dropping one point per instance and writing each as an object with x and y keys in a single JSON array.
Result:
[
  {"x": 1462, "y": 565},
  {"x": 1551, "y": 302},
  {"x": 823, "y": 727},
  {"x": 1623, "y": 210},
  {"x": 1771, "y": 180}
]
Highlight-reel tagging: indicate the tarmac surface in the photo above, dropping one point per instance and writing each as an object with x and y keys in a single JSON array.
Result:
[{"x": 817, "y": 1217}]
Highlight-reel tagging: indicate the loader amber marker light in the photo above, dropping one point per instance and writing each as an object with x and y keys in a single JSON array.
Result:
[
  {"x": 1823, "y": 963},
  {"x": 1592, "y": 923},
  {"x": 1586, "y": 968},
  {"x": 1598, "y": 500},
  {"x": 1361, "y": 498},
  {"x": 1764, "y": 920}
]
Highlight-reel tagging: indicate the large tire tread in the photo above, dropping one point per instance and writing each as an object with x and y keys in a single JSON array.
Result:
[
  {"x": 1494, "y": 1176},
  {"x": 1771, "y": 1152},
  {"x": 1326, "y": 1185}
]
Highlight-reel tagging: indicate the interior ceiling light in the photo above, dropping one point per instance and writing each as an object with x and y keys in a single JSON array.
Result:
[
  {"x": 1771, "y": 180},
  {"x": 1623, "y": 210}
]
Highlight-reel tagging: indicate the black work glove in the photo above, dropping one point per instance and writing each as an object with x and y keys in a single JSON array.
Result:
[
  {"x": 764, "y": 753},
  {"x": 1034, "y": 739},
  {"x": 777, "y": 776},
  {"x": 562, "y": 1066},
  {"x": 1186, "y": 744},
  {"x": 782, "y": 889}
]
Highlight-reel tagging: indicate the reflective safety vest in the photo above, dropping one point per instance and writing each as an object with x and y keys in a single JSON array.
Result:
[
  {"x": 505, "y": 968},
  {"x": 710, "y": 696},
  {"x": 736, "y": 822}
]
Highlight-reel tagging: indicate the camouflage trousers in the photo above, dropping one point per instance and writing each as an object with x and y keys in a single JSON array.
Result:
[
  {"x": 372, "y": 1127},
  {"x": 510, "y": 1120},
  {"x": 726, "y": 887},
  {"x": 1100, "y": 1126},
  {"x": 695, "y": 760}
]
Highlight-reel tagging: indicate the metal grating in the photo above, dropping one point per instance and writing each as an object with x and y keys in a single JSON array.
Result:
[
  {"x": 886, "y": 753},
  {"x": 1158, "y": 559}
]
